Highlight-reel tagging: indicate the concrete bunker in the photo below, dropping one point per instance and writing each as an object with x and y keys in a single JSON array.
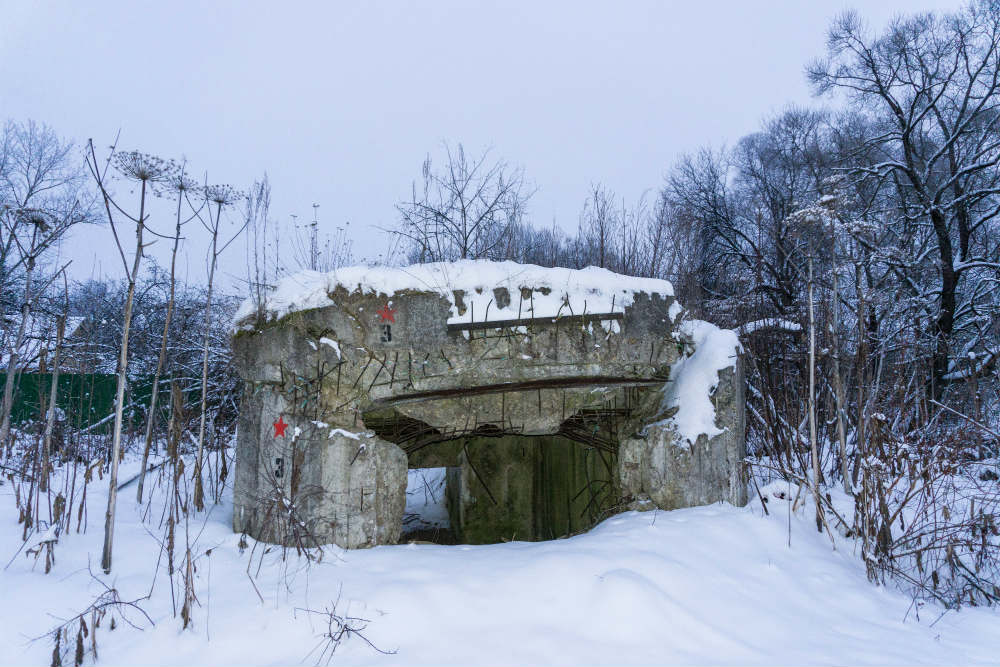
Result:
[{"x": 554, "y": 397}]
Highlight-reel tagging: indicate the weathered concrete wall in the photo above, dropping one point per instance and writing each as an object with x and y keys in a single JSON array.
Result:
[
  {"x": 528, "y": 488},
  {"x": 422, "y": 359},
  {"x": 657, "y": 470},
  {"x": 378, "y": 382},
  {"x": 316, "y": 484}
]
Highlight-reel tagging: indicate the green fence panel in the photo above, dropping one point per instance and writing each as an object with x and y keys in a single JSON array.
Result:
[{"x": 86, "y": 398}]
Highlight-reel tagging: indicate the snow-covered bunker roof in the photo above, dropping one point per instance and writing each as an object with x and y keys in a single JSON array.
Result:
[{"x": 555, "y": 291}]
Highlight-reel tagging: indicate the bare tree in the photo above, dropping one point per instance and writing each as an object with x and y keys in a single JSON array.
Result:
[
  {"x": 599, "y": 224},
  {"x": 674, "y": 246},
  {"x": 933, "y": 81},
  {"x": 465, "y": 210},
  {"x": 40, "y": 201},
  {"x": 743, "y": 199}
]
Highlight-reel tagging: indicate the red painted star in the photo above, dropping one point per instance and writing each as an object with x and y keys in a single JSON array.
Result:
[
  {"x": 387, "y": 314},
  {"x": 279, "y": 427}
]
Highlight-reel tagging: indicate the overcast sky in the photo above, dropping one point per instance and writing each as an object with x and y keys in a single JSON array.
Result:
[{"x": 339, "y": 102}]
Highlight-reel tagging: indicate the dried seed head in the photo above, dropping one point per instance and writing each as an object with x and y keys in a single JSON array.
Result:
[
  {"x": 222, "y": 195},
  {"x": 143, "y": 166},
  {"x": 177, "y": 183}
]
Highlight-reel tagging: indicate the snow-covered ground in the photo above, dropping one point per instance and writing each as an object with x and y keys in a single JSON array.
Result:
[
  {"x": 714, "y": 584},
  {"x": 426, "y": 509}
]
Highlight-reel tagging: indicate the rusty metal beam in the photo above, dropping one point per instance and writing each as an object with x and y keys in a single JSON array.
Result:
[
  {"x": 457, "y": 327},
  {"x": 527, "y": 385}
]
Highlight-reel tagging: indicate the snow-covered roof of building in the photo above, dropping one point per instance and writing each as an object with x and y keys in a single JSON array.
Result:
[{"x": 576, "y": 291}]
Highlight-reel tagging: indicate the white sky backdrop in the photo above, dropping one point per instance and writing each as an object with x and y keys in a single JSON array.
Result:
[{"x": 339, "y": 102}]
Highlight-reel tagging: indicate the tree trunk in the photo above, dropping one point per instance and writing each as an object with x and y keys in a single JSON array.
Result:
[
  {"x": 861, "y": 363},
  {"x": 151, "y": 417},
  {"x": 199, "y": 493},
  {"x": 43, "y": 484},
  {"x": 945, "y": 321},
  {"x": 812, "y": 402},
  {"x": 109, "y": 517},
  {"x": 838, "y": 378},
  {"x": 838, "y": 387},
  {"x": 15, "y": 359}
]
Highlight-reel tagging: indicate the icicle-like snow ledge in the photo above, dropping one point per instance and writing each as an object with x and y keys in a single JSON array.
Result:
[{"x": 694, "y": 380}]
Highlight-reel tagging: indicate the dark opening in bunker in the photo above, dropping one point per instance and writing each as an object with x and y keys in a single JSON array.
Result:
[
  {"x": 499, "y": 486},
  {"x": 516, "y": 487}
]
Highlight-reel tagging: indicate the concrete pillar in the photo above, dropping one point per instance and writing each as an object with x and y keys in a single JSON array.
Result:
[
  {"x": 301, "y": 482},
  {"x": 659, "y": 470}
]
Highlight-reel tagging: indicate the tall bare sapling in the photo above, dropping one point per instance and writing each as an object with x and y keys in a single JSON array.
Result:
[{"x": 145, "y": 170}]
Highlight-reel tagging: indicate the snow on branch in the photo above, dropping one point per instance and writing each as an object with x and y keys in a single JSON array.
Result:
[
  {"x": 979, "y": 367},
  {"x": 769, "y": 324}
]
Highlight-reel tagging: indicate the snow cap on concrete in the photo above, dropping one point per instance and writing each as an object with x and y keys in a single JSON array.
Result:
[
  {"x": 696, "y": 377},
  {"x": 571, "y": 291}
]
